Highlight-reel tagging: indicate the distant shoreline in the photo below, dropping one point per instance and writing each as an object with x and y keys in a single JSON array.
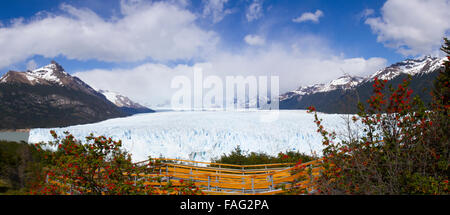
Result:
[{"x": 24, "y": 130}]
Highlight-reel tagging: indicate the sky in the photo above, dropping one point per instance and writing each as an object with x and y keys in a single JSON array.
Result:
[{"x": 136, "y": 47}]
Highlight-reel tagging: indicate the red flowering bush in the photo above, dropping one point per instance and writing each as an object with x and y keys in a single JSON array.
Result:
[
  {"x": 402, "y": 147},
  {"x": 99, "y": 167}
]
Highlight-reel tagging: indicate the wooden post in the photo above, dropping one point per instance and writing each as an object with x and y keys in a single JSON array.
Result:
[
  {"x": 217, "y": 181},
  {"x": 243, "y": 184},
  {"x": 209, "y": 182},
  {"x": 253, "y": 184},
  {"x": 310, "y": 176},
  {"x": 271, "y": 181}
]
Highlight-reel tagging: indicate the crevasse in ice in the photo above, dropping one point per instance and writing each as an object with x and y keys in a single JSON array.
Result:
[{"x": 203, "y": 135}]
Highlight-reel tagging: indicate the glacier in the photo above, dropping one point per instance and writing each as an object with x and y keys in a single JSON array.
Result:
[{"x": 205, "y": 135}]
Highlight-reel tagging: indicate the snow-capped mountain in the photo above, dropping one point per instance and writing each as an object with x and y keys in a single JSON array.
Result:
[
  {"x": 232, "y": 104},
  {"x": 412, "y": 67},
  {"x": 52, "y": 74},
  {"x": 339, "y": 95},
  {"x": 125, "y": 103},
  {"x": 119, "y": 100},
  {"x": 343, "y": 83},
  {"x": 49, "y": 97}
]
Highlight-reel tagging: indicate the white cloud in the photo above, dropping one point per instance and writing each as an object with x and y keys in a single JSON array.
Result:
[
  {"x": 215, "y": 9},
  {"x": 146, "y": 83},
  {"x": 366, "y": 13},
  {"x": 254, "y": 11},
  {"x": 415, "y": 27},
  {"x": 303, "y": 61},
  {"x": 313, "y": 17},
  {"x": 254, "y": 40},
  {"x": 162, "y": 31},
  {"x": 130, "y": 6},
  {"x": 296, "y": 65},
  {"x": 31, "y": 65},
  {"x": 159, "y": 30}
]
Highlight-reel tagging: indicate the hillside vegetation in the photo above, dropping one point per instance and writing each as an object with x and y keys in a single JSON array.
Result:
[
  {"x": 403, "y": 146},
  {"x": 20, "y": 163},
  {"x": 238, "y": 157}
]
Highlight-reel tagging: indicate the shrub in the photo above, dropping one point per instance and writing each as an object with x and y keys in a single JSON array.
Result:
[
  {"x": 404, "y": 148},
  {"x": 238, "y": 157},
  {"x": 98, "y": 167}
]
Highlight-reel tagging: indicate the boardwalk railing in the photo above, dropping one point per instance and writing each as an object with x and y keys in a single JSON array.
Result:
[
  {"x": 229, "y": 179},
  {"x": 217, "y": 178}
]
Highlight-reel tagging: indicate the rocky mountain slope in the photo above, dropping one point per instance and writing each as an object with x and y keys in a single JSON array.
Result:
[
  {"x": 50, "y": 97},
  {"x": 343, "y": 94}
]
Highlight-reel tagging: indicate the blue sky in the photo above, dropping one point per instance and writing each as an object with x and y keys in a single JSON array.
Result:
[
  {"x": 355, "y": 36},
  {"x": 342, "y": 24}
]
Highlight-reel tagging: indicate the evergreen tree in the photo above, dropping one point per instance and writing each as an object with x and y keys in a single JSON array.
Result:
[{"x": 441, "y": 90}]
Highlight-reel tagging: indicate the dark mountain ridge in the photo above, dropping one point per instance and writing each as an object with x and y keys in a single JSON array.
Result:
[
  {"x": 50, "y": 97},
  {"x": 343, "y": 94}
]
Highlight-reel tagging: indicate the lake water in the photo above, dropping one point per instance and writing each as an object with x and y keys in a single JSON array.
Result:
[{"x": 14, "y": 136}]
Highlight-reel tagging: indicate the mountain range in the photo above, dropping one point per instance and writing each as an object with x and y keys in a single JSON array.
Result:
[
  {"x": 50, "y": 97},
  {"x": 343, "y": 94}
]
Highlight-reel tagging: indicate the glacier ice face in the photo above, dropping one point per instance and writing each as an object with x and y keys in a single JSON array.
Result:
[{"x": 204, "y": 135}]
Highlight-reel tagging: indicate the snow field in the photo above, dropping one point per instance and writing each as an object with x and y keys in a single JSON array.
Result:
[{"x": 204, "y": 135}]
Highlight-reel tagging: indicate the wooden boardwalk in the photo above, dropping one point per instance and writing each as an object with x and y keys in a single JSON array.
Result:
[{"x": 228, "y": 179}]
